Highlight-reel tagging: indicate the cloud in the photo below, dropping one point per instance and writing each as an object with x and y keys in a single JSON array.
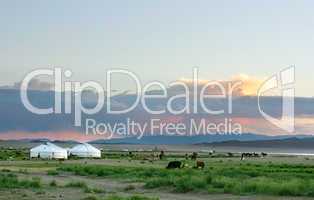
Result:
[
  {"x": 244, "y": 85},
  {"x": 239, "y": 85},
  {"x": 35, "y": 84},
  {"x": 249, "y": 86}
]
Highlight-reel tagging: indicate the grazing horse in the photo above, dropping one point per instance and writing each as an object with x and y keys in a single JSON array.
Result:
[
  {"x": 161, "y": 155},
  {"x": 246, "y": 155},
  {"x": 200, "y": 165},
  {"x": 194, "y": 156},
  {"x": 174, "y": 165},
  {"x": 249, "y": 155},
  {"x": 230, "y": 154},
  {"x": 264, "y": 154}
]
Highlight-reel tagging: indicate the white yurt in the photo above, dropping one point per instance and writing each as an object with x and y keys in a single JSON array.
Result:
[
  {"x": 85, "y": 150},
  {"x": 35, "y": 151},
  {"x": 48, "y": 151}
]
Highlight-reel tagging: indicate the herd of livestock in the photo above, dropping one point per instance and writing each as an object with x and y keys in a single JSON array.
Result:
[{"x": 201, "y": 164}]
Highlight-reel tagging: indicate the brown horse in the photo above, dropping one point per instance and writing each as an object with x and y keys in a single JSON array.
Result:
[{"x": 200, "y": 164}]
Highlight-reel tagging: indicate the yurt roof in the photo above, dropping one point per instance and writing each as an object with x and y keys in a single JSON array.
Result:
[
  {"x": 49, "y": 147},
  {"x": 40, "y": 147}
]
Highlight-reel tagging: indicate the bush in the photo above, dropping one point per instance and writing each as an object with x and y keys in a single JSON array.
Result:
[
  {"x": 209, "y": 179},
  {"x": 53, "y": 183},
  {"x": 35, "y": 182},
  {"x": 40, "y": 192},
  {"x": 11, "y": 181},
  {"x": 93, "y": 190},
  {"x": 129, "y": 188},
  {"x": 90, "y": 198},
  {"x": 77, "y": 184},
  {"x": 130, "y": 198},
  {"x": 13, "y": 154},
  {"x": 157, "y": 183},
  {"x": 52, "y": 172},
  {"x": 23, "y": 171}
]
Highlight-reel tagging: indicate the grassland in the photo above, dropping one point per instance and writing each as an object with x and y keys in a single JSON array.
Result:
[
  {"x": 234, "y": 178},
  {"x": 120, "y": 177}
]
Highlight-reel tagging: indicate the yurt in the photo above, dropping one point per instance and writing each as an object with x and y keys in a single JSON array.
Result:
[
  {"x": 85, "y": 150},
  {"x": 35, "y": 152},
  {"x": 48, "y": 151}
]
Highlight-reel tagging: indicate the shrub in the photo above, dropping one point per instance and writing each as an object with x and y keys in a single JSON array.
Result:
[
  {"x": 130, "y": 198},
  {"x": 77, "y": 184},
  {"x": 52, "y": 172},
  {"x": 53, "y": 183},
  {"x": 209, "y": 179},
  {"x": 11, "y": 181},
  {"x": 129, "y": 187},
  {"x": 23, "y": 171},
  {"x": 158, "y": 182},
  {"x": 39, "y": 192},
  {"x": 90, "y": 198},
  {"x": 93, "y": 190},
  {"x": 36, "y": 182}
]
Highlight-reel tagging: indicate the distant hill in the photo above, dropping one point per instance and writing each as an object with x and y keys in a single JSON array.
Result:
[
  {"x": 294, "y": 142},
  {"x": 201, "y": 139}
]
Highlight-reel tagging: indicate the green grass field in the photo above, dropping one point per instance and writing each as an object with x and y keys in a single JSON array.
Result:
[
  {"x": 273, "y": 176},
  {"x": 233, "y": 177}
]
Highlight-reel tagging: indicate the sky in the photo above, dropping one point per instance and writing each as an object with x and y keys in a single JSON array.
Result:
[{"x": 158, "y": 40}]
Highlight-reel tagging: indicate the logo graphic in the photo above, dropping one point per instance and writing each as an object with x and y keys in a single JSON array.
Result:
[
  {"x": 192, "y": 97},
  {"x": 284, "y": 82}
]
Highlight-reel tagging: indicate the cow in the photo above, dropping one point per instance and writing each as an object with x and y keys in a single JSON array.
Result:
[{"x": 174, "y": 165}]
